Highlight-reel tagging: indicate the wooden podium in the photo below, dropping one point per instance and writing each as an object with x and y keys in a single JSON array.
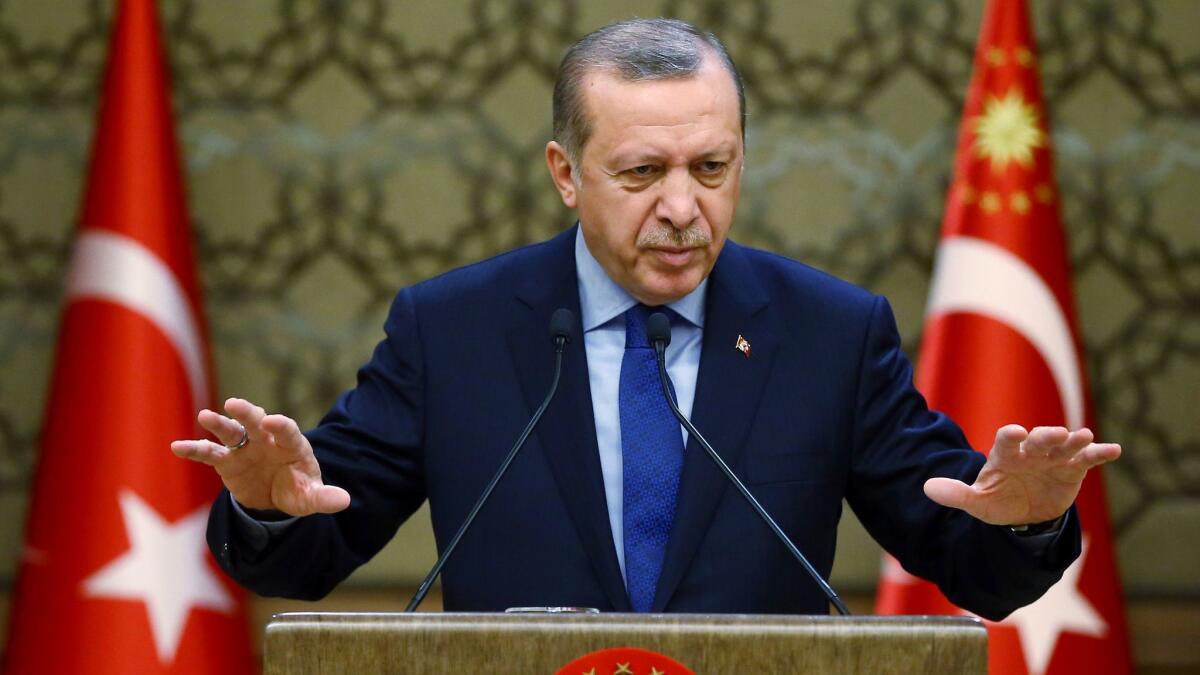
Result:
[{"x": 435, "y": 643}]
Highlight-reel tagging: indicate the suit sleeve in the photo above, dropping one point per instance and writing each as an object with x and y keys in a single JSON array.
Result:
[
  {"x": 370, "y": 444},
  {"x": 899, "y": 444}
]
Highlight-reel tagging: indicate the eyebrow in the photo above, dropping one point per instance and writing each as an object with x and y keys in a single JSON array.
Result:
[
  {"x": 641, "y": 156},
  {"x": 636, "y": 158}
]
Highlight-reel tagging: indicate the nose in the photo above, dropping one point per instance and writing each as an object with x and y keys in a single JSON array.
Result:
[{"x": 677, "y": 204}]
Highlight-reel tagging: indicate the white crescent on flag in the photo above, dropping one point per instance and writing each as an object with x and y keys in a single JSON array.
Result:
[
  {"x": 977, "y": 277},
  {"x": 118, "y": 269}
]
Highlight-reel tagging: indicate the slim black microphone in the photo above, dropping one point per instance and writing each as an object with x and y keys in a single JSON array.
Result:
[
  {"x": 560, "y": 331},
  {"x": 658, "y": 332}
]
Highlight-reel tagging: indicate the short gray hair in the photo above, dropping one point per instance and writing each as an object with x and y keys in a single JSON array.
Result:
[{"x": 636, "y": 50}]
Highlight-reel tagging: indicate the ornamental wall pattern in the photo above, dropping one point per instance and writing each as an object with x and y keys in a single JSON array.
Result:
[{"x": 337, "y": 151}]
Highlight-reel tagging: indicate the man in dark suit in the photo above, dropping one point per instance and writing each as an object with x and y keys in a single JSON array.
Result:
[{"x": 795, "y": 377}]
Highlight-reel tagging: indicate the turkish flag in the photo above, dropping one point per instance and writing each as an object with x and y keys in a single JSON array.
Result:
[
  {"x": 625, "y": 660},
  {"x": 1000, "y": 347},
  {"x": 115, "y": 576}
]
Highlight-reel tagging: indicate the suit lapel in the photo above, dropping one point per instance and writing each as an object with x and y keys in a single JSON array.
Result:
[
  {"x": 728, "y": 389},
  {"x": 567, "y": 431}
]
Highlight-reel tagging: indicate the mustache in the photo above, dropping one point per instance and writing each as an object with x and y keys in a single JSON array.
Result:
[{"x": 694, "y": 236}]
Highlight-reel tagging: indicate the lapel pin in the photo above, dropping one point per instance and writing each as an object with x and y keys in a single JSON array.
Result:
[{"x": 743, "y": 346}]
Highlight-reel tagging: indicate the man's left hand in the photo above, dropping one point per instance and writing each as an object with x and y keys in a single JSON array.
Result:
[{"x": 1030, "y": 476}]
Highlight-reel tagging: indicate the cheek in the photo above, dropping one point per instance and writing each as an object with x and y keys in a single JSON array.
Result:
[
  {"x": 616, "y": 226},
  {"x": 637, "y": 216},
  {"x": 718, "y": 207},
  {"x": 624, "y": 213}
]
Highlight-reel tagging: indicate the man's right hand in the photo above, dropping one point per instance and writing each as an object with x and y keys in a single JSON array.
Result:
[{"x": 275, "y": 469}]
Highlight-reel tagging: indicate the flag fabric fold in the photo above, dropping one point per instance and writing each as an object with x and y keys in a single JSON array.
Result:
[
  {"x": 1001, "y": 346},
  {"x": 115, "y": 576}
]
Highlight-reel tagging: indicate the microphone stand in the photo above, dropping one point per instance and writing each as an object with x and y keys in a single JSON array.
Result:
[
  {"x": 660, "y": 338},
  {"x": 560, "y": 327}
]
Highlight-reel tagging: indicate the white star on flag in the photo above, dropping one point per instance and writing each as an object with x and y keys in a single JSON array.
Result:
[
  {"x": 1063, "y": 609},
  {"x": 165, "y": 568}
]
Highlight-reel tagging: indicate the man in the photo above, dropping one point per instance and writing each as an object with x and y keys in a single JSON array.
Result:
[{"x": 795, "y": 377}]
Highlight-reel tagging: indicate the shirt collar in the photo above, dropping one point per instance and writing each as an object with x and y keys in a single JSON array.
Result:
[{"x": 601, "y": 299}]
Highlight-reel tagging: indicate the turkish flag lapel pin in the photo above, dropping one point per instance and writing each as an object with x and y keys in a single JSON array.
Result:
[{"x": 743, "y": 346}]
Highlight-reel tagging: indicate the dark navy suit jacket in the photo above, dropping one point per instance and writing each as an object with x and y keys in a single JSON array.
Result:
[{"x": 823, "y": 410}]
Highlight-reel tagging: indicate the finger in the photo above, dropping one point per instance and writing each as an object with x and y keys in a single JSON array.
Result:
[
  {"x": 285, "y": 431},
  {"x": 205, "y": 452},
  {"x": 1043, "y": 440},
  {"x": 1008, "y": 442},
  {"x": 249, "y": 415},
  {"x": 1096, "y": 454},
  {"x": 330, "y": 499},
  {"x": 1077, "y": 440},
  {"x": 228, "y": 431},
  {"x": 949, "y": 492}
]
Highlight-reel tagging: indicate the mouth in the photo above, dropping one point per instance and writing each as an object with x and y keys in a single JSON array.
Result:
[{"x": 673, "y": 256}]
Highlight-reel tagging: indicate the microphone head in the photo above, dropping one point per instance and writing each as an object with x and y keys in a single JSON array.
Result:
[
  {"x": 658, "y": 329},
  {"x": 561, "y": 323}
]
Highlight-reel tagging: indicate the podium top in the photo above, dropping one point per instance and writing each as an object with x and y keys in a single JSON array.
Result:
[{"x": 542, "y": 643}]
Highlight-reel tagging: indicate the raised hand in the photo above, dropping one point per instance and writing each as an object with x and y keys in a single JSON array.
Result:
[
  {"x": 1030, "y": 477},
  {"x": 274, "y": 469}
]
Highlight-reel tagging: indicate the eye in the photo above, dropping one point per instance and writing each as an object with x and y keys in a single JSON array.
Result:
[
  {"x": 711, "y": 166},
  {"x": 642, "y": 171}
]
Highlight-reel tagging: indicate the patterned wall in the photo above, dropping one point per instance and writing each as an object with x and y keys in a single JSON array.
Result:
[{"x": 339, "y": 150}]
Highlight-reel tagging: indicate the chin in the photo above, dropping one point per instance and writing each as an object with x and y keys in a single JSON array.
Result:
[{"x": 662, "y": 294}]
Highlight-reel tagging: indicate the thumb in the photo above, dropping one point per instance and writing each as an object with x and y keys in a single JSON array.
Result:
[
  {"x": 330, "y": 499},
  {"x": 949, "y": 492}
]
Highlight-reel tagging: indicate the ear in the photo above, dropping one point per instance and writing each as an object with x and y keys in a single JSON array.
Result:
[{"x": 561, "y": 172}]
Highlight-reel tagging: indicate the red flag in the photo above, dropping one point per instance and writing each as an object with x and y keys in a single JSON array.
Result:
[
  {"x": 115, "y": 576},
  {"x": 1001, "y": 347}
]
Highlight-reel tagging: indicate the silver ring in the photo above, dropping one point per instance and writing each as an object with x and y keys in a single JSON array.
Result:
[{"x": 242, "y": 443}]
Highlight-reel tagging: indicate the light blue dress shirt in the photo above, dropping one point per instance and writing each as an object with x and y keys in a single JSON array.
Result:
[{"x": 603, "y": 304}]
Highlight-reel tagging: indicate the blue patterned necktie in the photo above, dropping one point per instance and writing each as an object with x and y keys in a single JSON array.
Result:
[{"x": 652, "y": 458}]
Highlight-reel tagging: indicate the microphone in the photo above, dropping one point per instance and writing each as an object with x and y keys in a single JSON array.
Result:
[
  {"x": 560, "y": 332},
  {"x": 658, "y": 332}
]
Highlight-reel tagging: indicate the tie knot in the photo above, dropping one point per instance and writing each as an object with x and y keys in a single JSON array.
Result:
[{"x": 635, "y": 324}]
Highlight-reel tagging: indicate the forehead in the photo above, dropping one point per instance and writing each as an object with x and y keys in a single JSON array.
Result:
[{"x": 702, "y": 107}]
